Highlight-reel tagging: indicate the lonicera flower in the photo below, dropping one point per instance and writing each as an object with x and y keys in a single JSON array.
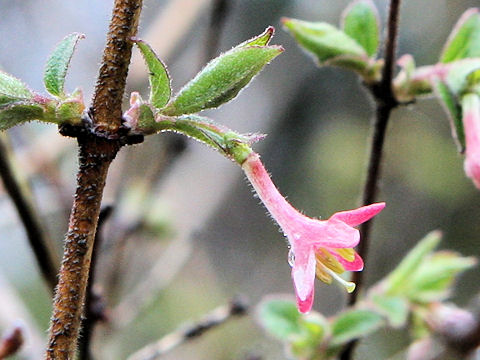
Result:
[
  {"x": 322, "y": 249},
  {"x": 471, "y": 126}
]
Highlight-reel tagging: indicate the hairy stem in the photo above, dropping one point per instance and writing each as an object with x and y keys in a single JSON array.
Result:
[
  {"x": 98, "y": 147},
  {"x": 106, "y": 108},
  {"x": 385, "y": 103},
  {"x": 36, "y": 236}
]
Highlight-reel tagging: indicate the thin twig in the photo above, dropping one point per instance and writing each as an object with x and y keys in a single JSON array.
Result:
[
  {"x": 36, "y": 236},
  {"x": 99, "y": 143},
  {"x": 215, "y": 318},
  {"x": 385, "y": 103},
  {"x": 94, "y": 302}
]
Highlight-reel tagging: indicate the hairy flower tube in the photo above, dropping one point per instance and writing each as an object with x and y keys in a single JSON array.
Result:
[
  {"x": 318, "y": 248},
  {"x": 471, "y": 126}
]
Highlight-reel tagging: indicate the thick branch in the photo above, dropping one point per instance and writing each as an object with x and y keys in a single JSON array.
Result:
[
  {"x": 31, "y": 223},
  {"x": 106, "y": 111},
  {"x": 98, "y": 146},
  {"x": 95, "y": 157}
]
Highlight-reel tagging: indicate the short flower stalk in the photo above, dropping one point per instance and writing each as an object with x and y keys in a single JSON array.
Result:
[{"x": 318, "y": 248}]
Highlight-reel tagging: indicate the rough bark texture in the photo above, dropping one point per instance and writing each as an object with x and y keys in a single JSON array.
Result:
[
  {"x": 95, "y": 156},
  {"x": 107, "y": 102},
  {"x": 99, "y": 141}
]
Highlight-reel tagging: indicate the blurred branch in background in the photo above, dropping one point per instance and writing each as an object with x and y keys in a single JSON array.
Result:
[
  {"x": 220, "y": 315},
  {"x": 218, "y": 17},
  {"x": 20, "y": 195},
  {"x": 162, "y": 273},
  {"x": 13, "y": 311},
  {"x": 11, "y": 342}
]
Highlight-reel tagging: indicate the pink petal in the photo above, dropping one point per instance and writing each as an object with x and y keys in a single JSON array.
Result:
[
  {"x": 355, "y": 265},
  {"x": 471, "y": 124},
  {"x": 338, "y": 234},
  {"x": 303, "y": 275},
  {"x": 357, "y": 216}
]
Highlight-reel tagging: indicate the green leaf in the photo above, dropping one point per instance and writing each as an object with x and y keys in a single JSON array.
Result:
[
  {"x": 13, "y": 90},
  {"x": 18, "y": 114},
  {"x": 454, "y": 112},
  {"x": 394, "y": 308},
  {"x": 355, "y": 324},
  {"x": 399, "y": 278},
  {"x": 464, "y": 40},
  {"x": 433, "y": 279},
  {"x": 160, "y": 90},
  {"x": 57, "y": 64},
  {"x": 280, "y": 318},
  {"x": 459, "y": 74},
  {"x": 222, "y": 79},
  {"x": 323, "y": 40},
  {"x": 360, "y": 22}
]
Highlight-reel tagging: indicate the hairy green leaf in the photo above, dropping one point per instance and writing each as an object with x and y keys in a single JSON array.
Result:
[
  {"x": 222, "y": 79},
  {"x": 57, "y": 64},
  {"x": 323, "y": 40},
  {"x": 13, "y": 90},
  {"x": 361, "y": 23},
  {"x": 464, "y": 40},
  {"x": 160, "y": 90},
  {"x": 17, "y": 114},
  {"x": 355, "y": 324}
]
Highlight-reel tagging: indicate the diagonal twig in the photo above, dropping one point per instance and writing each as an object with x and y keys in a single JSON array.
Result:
[{"x": 218, "y": 316}]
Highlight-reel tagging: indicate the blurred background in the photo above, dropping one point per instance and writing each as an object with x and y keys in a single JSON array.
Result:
[{"x": 186, "y": 235}]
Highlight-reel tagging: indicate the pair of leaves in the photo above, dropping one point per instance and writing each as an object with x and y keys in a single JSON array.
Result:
[
  {"x": 219, "y": 81},
  {"x": 352, "y": 47},
  {"x": 424, "y": 275},
  {"x": 18, "y": 104},
  {"x": 306, "y": 333}
]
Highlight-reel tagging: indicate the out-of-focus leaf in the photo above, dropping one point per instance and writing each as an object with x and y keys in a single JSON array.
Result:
[
  {"x": 458, "y": 77},
  {"x": 361, "y": 23},
  {"x": 355, "y": 324},
  {"x": 57, "y": 64},
  {"x": 464, "y": 40},
  {"x": 394, "y": 308},
  {"x": 323, "y": 40},
  {"x": 454, "y": 112},
  {"x": 280, "y": 318},
  {"x": 222, "y": 79},
  {"x": 12, "y": 90},
  {"x": 17, "y": 114},
  {"x": 432, "y": 280},
  {"x": 399, "y": 279},
  {"x": 160, "y": 90}
]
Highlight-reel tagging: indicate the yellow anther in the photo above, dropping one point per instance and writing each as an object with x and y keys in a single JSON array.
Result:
[
  {"x": 328, "y": 260},
  {"x": 346, "y": 253}
]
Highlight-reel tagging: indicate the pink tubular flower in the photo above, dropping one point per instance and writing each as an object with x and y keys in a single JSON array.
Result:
[
  {"x": 317, "y": 248},
  {"x": 471, "y": 126}
]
